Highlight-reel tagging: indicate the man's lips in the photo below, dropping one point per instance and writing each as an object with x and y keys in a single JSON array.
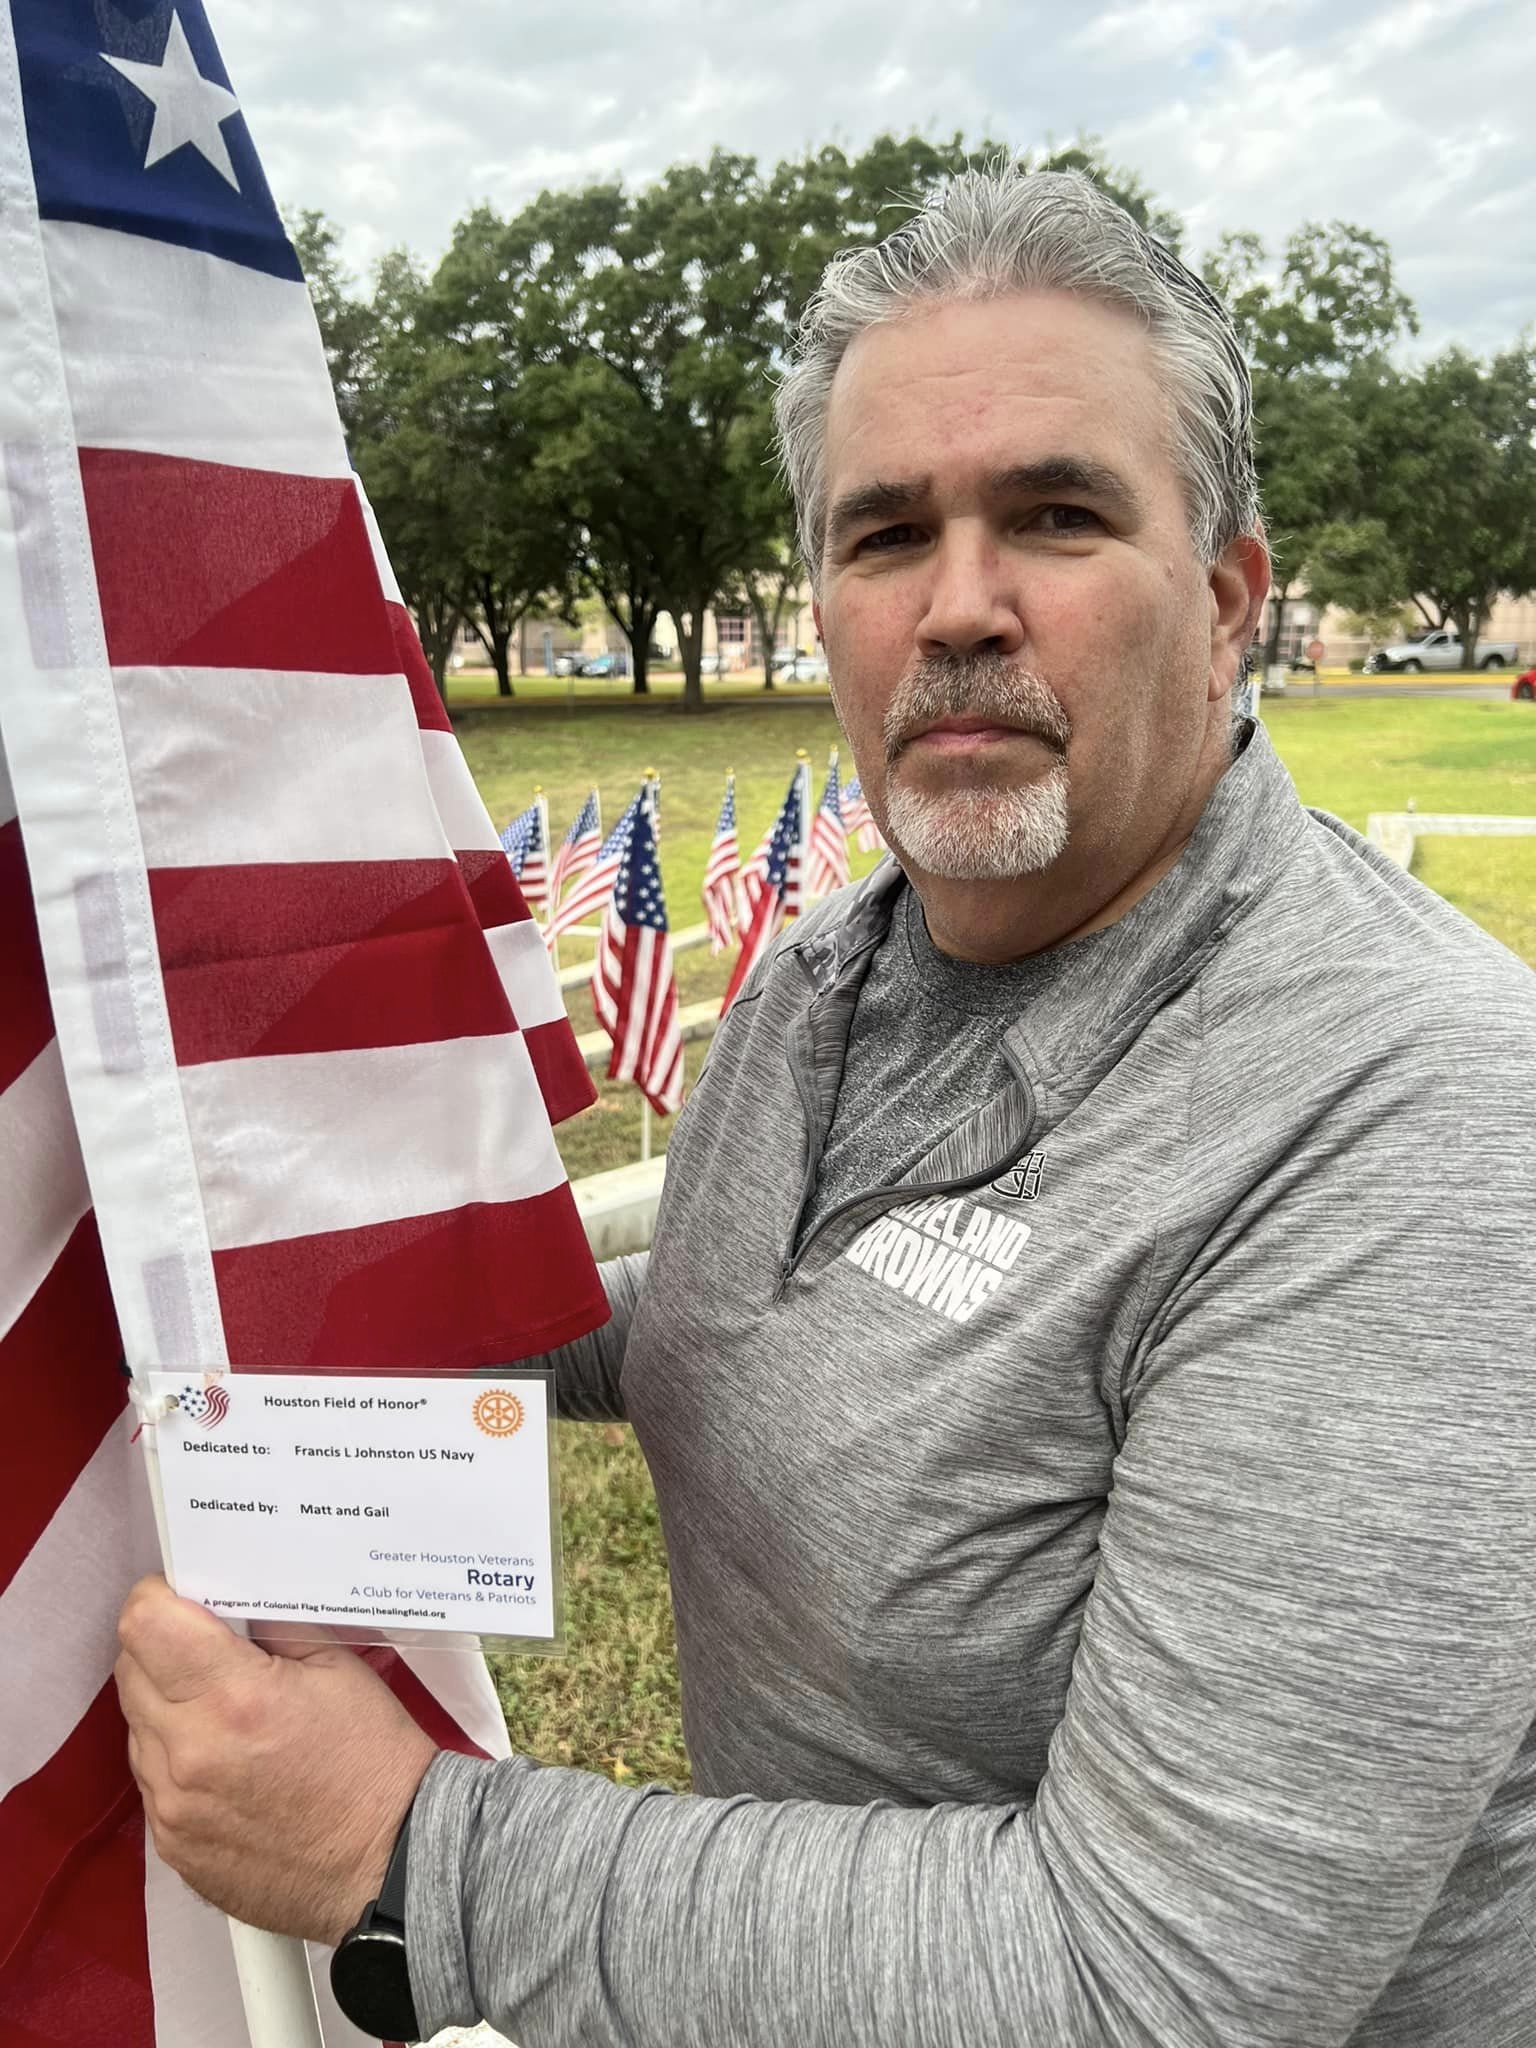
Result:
[{"x": 970, "y": 735}]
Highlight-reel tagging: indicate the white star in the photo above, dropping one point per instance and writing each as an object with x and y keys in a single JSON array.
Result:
[{"x": 188, "y": 107}]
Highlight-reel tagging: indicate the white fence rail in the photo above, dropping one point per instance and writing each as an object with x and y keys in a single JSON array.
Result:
[{"x": 1395, "y": 831}]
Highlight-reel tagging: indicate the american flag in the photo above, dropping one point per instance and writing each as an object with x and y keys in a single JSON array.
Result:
[
  {"x": 525, "y": 842},
  {"x": 775, "y": 894},
  {"x": 826, "y": 865},
  {"x": 857, "y": 818},
  {"x": 594, "y": 888},
  {"x": 755, "y": 872},
  {"x": 579, "y": 848},
  {"x": 722, "y": 875},
  {"x": 279, "y": 1042},
  {"x": 634, "y": 988}
]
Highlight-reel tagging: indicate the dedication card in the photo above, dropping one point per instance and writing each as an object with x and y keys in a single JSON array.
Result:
[{"x": 375, "y": 1504}]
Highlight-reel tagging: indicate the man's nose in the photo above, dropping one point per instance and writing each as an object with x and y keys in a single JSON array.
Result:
[{"x": 973, "y": 602}]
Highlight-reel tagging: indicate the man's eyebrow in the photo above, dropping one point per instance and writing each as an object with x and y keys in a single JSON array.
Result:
[
  {"x": 878, "y": 500},
  {"x": 1065, "y": 473}
]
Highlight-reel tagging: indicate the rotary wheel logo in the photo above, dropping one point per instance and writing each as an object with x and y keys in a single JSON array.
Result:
[{"x": 497, "y": 1413}]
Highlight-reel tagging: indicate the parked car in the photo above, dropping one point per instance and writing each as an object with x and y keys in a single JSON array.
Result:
[
  {"x": 1524, "y": 690},
  {"x": 1437, "y": 650},
  {"x": 601, "y": 665},
  {"x": 568, "y": 664}
]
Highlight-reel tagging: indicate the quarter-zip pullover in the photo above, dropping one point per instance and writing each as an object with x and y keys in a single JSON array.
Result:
[{"x": 1104, "y": 1555}]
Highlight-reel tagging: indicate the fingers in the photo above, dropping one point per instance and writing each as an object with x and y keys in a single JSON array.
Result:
[{"x": 179, "y": 1647}]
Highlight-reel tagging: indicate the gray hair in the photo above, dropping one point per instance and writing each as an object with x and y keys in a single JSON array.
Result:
[{"x": 999, "y": 230}]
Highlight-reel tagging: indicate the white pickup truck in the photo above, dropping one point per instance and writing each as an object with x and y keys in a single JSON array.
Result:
[{"x": 1438, "y": 649}]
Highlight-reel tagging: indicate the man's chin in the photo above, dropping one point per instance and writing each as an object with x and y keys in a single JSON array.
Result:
[{"x": 985, "y": 832}]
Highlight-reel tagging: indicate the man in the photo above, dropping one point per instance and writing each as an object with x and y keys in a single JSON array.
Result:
[{"x": 1085, "y": 1359}]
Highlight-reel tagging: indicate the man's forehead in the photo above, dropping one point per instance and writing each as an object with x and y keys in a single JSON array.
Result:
[{"x": 1025, "y": 364}]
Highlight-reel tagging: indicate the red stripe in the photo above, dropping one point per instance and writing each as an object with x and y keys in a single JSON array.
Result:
[
  {"x": 477, "y": 1286},
  {"x": 60, "y": 1379},
  {"x": 321, "y": 957},
  {"x": 81, "y": 1977},
  {"x": 49, "y": 1822},
  {"x": 203, "y": 565},
  {"x": 767, "y": 915},
  {"x": 493, "y": 888},
  {"x": 431, "y": 711},
  {"x": 561, "y": 1072},
  {"x": 26, "y": 1019}
]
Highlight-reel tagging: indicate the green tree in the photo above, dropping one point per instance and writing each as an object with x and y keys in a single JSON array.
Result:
[
  {"x": 1317, "y": 335},
  {"x": 408, "y": 445},
  {"x": 1451, "y": 464},
  {"x": 522, "y": 545},
  {"x": 348, "y": 324}
]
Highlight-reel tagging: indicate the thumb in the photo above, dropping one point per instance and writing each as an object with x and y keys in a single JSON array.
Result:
[
  {"x": 181, "y": 1648},
  {"x": 299, "y": 1640}
]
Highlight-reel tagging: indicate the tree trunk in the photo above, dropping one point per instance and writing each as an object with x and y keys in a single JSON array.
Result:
[
  {"x": 493, "y": 629},
  {"x": 641, "y": 625},
  {"x": 437, "y": 621},
  {"x": 690, "y": 640},
  {"x": 767, "y": 632},
  {"x": 1468, "y": 623},
  {"x": 1281, "y": 594}
]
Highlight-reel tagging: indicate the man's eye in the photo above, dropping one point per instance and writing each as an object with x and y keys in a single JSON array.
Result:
[
  {"x": 887, "y": 538},
  {"x": 1069, "y": 519}
]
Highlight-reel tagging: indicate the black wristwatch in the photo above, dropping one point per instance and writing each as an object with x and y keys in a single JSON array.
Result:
[{"x": 369, "y": 1973}]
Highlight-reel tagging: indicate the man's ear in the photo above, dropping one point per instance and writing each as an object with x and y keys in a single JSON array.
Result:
[
  {"x": 816, "y": 616},
  {"x": 1239, "y": 585}
]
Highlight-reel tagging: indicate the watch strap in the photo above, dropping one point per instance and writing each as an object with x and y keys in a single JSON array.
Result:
[{"x": 390, "y": 1904}]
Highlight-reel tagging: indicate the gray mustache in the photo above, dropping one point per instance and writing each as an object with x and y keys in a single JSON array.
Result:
[{"x": 984, "y": 687}]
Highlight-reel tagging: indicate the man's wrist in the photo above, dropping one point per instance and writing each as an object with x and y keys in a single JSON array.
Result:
[{"x": 392, "y": 1807}]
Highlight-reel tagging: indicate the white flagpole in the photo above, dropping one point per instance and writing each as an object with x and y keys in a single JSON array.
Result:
[{"x": 276, "y": 1988}]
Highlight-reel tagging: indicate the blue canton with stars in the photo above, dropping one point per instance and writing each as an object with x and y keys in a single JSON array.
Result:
[
  {"x": 786, "y": 837},
  {"x": 637, "y": 889},
  {"x": 522, "y": 837},
  {"x": 92, "y": 131}
]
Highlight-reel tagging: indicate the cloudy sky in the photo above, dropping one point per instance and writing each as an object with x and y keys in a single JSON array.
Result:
[{"x": 1416, "y": 118}]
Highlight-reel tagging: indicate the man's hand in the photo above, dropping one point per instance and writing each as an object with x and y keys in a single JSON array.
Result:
[{"x": 274, "y": 1779}]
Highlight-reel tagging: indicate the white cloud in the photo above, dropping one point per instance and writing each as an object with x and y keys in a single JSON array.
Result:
[{"x": 1405, "y": 116}]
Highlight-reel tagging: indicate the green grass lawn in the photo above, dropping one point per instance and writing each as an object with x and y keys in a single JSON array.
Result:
[{"x": 612, "y": 1703}]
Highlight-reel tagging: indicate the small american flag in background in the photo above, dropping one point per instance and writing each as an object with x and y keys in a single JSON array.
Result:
[
  {"x": 579, "y": 848},
  {"x": 279, "y": 1040},
  {"x": 826, "y": 865},
  {"x": 857, "y": 818},
  {"x": 774, "y": 893},
  {"x": 593, "y": 889},
  {"x": 634, "y": 988},
  {"x": 525, "y": 842},
  {"x": 722, "y": 875}
]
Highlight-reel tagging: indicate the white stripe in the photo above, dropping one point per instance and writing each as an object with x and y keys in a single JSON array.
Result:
[
  {"x": 381, "y": 562},
  {"x": 461, "y": 1685},
  {"x": 173, "y": 352},
  {"x": 235, "y": 765},
  {"x": 191, "y": 1964},
  {"x": 637, "y": 1023},
  {"x": 44, "y": 1170},
  {"x": 304, "y": 1142},
  {"x": 526, "y": 975},
  {"x": 58, "y": 1615},
  {"x": 465, "y": 820}
]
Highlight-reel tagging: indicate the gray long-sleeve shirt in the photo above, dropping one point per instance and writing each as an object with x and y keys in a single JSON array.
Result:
[{"x": 1104, "y": 1561}]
